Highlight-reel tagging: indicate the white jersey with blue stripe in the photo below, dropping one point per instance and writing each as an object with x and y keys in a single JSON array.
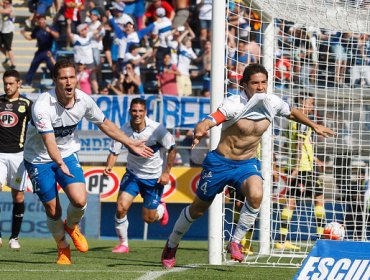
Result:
[
  {"x": 158, "y": 138},
  {"x": 259, "y": 106},
  {"x": 49, "y": 116},
  {"x": 163, "y": 30}
]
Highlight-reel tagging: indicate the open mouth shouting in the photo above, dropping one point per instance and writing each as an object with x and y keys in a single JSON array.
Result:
[{"x": 69, "y": 90}]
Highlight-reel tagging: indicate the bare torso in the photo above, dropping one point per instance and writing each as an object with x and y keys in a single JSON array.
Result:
[{"x": 240, "y": 141}]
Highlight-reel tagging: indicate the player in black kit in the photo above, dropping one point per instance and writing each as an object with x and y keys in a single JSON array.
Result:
[{"x": 15, "y": 112}]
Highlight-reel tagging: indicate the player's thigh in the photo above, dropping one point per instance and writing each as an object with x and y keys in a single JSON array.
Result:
[
  {"x": 248, "y": 181},
  {"x": 215, "y": 175},
  {"x": 17, "y": 175},
  {"x": 3, "y": 169},
  {"x": 151, "y": 191},
  {"x": 43, "y": 180},
  {"x": 129, "y": 184},
  {"x": 74, "y": 187}
]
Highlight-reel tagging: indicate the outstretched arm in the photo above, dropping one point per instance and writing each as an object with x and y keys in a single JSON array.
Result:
[
  {"x": 298, "y": 116},
  {"x": 136, "y": 146}
]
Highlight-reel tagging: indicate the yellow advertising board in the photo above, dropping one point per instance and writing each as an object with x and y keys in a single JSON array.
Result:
[{"x": 181, "y": 188}]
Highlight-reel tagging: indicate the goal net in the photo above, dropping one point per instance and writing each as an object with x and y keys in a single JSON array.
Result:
[{"x": 318, "y": 57}]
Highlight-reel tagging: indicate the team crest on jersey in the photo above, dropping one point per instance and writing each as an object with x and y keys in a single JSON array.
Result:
[{"x": 22, "y": 109}]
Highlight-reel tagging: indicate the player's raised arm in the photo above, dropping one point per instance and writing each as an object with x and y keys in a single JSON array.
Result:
[
  {"x": 298, "y": 116},
  {"x": 114, "y": 132}
]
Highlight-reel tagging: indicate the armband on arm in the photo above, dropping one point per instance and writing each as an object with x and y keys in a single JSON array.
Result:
[{"x": 217, "y": 117}]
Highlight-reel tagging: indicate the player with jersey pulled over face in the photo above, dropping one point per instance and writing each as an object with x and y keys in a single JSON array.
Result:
[
  {"x": 146, "y": 176},
  {"x": 245, "y": 118},
  {"x": 15, "y": 112},
  {"x": 51, "y": 153}
]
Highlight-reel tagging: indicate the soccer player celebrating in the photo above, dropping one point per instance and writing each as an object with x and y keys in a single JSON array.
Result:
[
  {"x": 50, "y": 154},
  {"x": 245, "y": 118},
  {"x": 15, "y": 114},
  {"x": 145, "y": 175}
]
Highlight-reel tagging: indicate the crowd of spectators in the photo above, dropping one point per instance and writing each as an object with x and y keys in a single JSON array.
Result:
[
  {"x": 117, "y": 43},
  {"x": 312, "y": 56},
  {"x": 170, "y": 39}
]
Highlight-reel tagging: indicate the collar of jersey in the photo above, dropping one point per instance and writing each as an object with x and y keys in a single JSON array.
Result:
[{"x": 53, "y": 96}]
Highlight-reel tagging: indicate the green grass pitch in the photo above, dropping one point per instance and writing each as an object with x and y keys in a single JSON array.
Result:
[{"x": 36, "y": 260}]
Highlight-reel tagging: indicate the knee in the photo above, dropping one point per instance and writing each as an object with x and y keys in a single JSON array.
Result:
[
  {"x": 79, "y": 204},
  {"x": 149, "y": 218},
  {"x": 121, "y": 209},
  {"x": 255, "y": 202},
  {"x": 54, "y": 214},
  {"x": 196, "y": 213}
]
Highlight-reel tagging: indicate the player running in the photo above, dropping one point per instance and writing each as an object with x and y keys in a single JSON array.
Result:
[
  {"x": 50, "y": 154},
  {"x": 245, "y": 118},
  {"x": 146, "y": 176}
]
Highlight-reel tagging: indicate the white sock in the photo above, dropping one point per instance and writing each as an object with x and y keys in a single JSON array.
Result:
[
  {"x": 74, "y": 215},
  {"x": 121, "y": 226},
  {"x": 160, "y": 211},
  {"x": 246, "y": 221},
  {"x": 183, "y": 223},
  {"x": 56, "y": 228}
]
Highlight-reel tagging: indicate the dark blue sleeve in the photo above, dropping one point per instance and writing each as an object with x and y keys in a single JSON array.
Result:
[
  {"x": 119, "y": 33},
  {"x": 141, "y": 33},
  {"x": 34, "y": 32}
]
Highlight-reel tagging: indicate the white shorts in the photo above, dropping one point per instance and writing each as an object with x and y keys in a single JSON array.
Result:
[{"x": 12, "y": 171}]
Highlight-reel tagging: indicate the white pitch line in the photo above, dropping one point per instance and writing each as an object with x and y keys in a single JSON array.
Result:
[
  {"x": 71, "y": 271},
  {"x": 156, "y": 274}
]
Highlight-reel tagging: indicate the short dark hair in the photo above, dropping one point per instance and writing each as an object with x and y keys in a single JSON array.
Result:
[
  {"x": 12, "y": 73},
  {"x": 62, "y": 63},
  {"x": 138, "y": 100},
  {"x": 133, "y": 47},
  {"x": 302, "y": 96},
  {"x": 252, "y": 69}
]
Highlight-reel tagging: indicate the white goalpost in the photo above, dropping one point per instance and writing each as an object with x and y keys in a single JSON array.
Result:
[{"x": 312, "y": 49}]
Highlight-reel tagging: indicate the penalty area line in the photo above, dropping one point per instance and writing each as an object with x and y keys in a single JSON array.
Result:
[{"x": 152, "y": 275}]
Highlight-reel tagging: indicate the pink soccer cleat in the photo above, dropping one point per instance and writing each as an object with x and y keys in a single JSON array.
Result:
[
  {"x": 235, "y": 250},
  {"x": 164, "y": 220},
  {"x": 121, "y": 249},
  {"x": 169, "y": 256}
]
